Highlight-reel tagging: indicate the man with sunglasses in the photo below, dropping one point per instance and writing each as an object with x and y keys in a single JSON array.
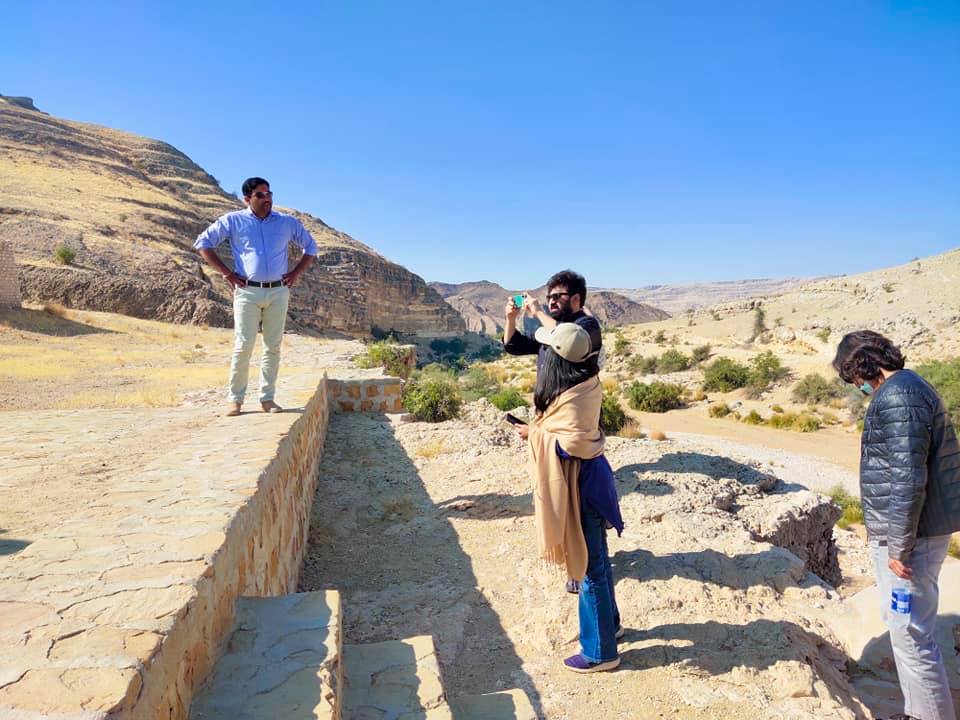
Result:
[
  {"x": 566, "y": 295},
  {"x": 261, "y": 281}
]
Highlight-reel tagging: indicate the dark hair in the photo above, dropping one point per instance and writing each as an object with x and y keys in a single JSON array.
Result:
[
  {"x": 556, "y": 376},
  {"x": 863, "y": 353},
  {"x": 574, "y": 282},
  {"x": 250, "y": 183}
]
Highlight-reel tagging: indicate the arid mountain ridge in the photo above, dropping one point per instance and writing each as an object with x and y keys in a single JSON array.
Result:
[
  {"x": 130, "y": 208},
  {"x": 482, "y": 303}
]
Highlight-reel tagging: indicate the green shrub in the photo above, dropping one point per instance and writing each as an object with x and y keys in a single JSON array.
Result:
[
  {"x": 700, "y": 354},
  {"x": 824, "y": 334},
  {"x": 782, "y": 421},
  {"x": 753, "y": 418},
  {"x": 777, "y": 409},
  {"x": 612, "y": 416},
  {"x": 660, "y": 338},
  {"x": 954, "y": 549},
  {"x": 508, "y": 398},
  {"x": 64, "y": 254},
  {"x": 759, "y": 322},
  {"x": 478, "y": 382},
  {"x": 724, "y": 375},
  {"x": 806, "y": 423},
  {"x": 656, "y": 397},
  {"x": 719, "y": 410},
  {"x": 815, "y": 389},
  {"x": 945, "y": 377},
  {"x": 852, "y": 510},
  {"x": 672, "y": 361},
  {"x": 621, "y": 346},
  {"x": 765, "y": 369},
  {"x": 642, "y": 365},
  {"x": 432, "y": 396},
  {"x": 385, "y": 354}
]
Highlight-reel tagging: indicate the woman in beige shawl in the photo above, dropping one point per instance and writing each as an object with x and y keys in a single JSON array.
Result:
[{"x": 575, "y": 499}]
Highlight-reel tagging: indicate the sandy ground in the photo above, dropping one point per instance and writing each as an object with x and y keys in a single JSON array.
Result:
[{"x": 428, "y": 529}]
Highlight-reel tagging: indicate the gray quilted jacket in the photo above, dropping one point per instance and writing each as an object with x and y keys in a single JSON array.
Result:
[{"x": 909, "y": 465}]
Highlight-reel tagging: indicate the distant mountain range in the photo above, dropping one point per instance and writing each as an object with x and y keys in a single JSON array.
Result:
[
  {"x": 482, "y": 305},
  {"x": 677, "y": 299}
]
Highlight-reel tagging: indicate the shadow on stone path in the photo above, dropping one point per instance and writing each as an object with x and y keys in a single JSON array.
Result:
[{"x": 378, "y": 538}]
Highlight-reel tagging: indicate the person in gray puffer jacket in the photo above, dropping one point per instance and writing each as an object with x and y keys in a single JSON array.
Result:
[{"x": 910, "y": 492}]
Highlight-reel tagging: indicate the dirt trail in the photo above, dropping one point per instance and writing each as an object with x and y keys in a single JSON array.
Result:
[{"x": 429, "y": 529}]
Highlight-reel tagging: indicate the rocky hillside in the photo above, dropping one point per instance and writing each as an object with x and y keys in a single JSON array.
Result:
[
  {"x": 481, "y": 305},
  {"x": 130, "y": 208},
  {"x": 676, "y": 299}
]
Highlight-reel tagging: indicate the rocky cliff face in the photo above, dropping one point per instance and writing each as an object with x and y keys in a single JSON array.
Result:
[{"x": 130, "y": 208}]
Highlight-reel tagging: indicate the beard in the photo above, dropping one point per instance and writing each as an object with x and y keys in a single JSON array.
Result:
[{"x": 562, "y": 314}]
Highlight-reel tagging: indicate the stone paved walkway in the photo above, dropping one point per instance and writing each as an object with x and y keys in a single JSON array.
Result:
[{"x": 114, "y": 537}]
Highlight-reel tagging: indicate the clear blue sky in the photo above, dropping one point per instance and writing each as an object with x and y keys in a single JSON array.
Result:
[{"x": 638, "y": 142}]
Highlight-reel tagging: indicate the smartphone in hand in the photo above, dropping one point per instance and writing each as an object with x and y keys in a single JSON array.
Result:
[{"x": 513, "y": 419}]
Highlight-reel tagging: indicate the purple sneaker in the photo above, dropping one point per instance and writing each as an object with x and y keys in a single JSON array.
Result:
[
  {"x": 579, "y": 664},
  {"x": 573, "y": 587}
]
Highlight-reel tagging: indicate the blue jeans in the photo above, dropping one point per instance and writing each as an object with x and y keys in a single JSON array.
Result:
[
  {"x": 920, "y": 668},
  {"x": 599, "y": 616}
]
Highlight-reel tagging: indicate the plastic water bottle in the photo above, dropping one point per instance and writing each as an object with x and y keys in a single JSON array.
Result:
[{"x": 900, "y": 607}]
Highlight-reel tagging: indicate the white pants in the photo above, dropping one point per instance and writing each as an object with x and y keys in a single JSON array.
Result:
[
  {"x": 253, "y": 306},
  {"x": 920, "y": 668}
]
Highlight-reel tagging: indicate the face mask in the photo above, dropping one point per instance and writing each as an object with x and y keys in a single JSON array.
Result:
[{"x": 866, "y": 389}]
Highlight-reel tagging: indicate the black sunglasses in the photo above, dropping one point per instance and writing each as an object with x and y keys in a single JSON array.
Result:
[
  {"x": 556, "y": 296},
  {"x": 260, "y": 194}
]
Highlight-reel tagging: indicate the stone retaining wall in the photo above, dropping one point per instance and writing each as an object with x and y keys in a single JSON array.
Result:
[
  {"x": 377, "y": 395},
  {"x": 122, "y": 611},
  {"x": 9, "y": 277}
]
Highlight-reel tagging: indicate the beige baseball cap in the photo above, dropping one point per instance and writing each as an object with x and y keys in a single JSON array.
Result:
[{"x": 570, "y": 341}]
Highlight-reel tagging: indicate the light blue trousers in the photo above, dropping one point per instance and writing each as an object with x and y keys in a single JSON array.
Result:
[
  {"x": 253, "y": 307},
  {"x": 920, "y": 668}
]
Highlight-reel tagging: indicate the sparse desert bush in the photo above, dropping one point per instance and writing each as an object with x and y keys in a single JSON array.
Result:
[
  {"x": 56, "y": 310},
  {"x": 642, "y": 365},
  {"x": 724, "y": 375},
  {"x": 698, "y": 395},
  {"x": 386, "y": 354},
  {"x": 765, "y": 369},
  {"x": 759, "y": 322},
  {"x": 477, "y": 382},
  {"x": 824, "y": 334},
  {"x": 815, "y": 388},
  {"x": 828, "y": 418},
  {"x": 631, "y": 430},
  {"x": 610, "y": 385},
  {"x": 612, "y": 416},
  {"x": 781, "y": 421},
  {"x": 852, "y": 510},
  {"x": 718, "y": 410},
  {"x": 64, "y": 254},
  {"x": 888, "y": 287},
  {"x": 954, "y": 549},
  {"x": 714, "y": 314},
  {"x": 660, "y": 338},
  {"x": 621, "y": 346},
  {"x": 431, "y": 449},
  {"x": 776, "y": 409},
  {"x": 753, "y": 418},
  {"x": 432, "y": 396},
  {"x": 657, "y": 435},
  {"x": 672, "y": 361},
  {"x": 700, "y": 354},
  {"x": 193, "y": 355},
  {"x": 806, "y": 423},
  {"x": 507, "y": 399},
  {"x": 656, "y": 397},
  {"x": 944, "y": 375}
]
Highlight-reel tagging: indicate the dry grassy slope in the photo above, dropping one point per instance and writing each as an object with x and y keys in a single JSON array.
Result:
[
  {"x": 481, "y": 304},
  {"x": 916, "y": 304},
  {"x": 131, "y": 208}
]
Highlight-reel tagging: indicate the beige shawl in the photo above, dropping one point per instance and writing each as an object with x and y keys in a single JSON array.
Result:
[{"x": 573, "y": 421}]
